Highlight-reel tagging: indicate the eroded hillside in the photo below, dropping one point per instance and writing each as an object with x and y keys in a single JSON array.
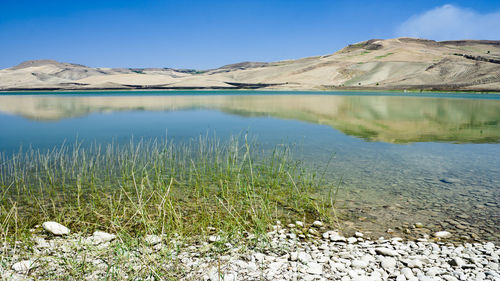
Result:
[{"x": 399, "y": 64}]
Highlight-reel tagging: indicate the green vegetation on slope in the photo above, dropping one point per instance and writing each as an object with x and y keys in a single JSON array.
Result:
[{"x": 383, "y": 56}]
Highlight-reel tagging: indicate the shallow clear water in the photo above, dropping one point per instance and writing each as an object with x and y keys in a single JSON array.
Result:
[{"x": 402, "y": 159}]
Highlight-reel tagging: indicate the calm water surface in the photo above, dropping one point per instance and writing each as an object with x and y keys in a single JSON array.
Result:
[{"x": 431, "y": 158}]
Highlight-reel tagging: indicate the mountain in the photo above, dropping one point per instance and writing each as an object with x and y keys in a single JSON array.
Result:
[{"x": 392, "y": 64}]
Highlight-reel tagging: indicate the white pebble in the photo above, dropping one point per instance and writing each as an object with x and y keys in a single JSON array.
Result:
[
  {"x": 23, "y": 266},
  {"x": 317, "y": 224},
  {"x": 442, "y": 234},
  {"x": 55, "y": 228}
]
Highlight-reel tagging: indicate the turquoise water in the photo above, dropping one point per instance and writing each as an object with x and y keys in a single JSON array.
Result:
[{"x": 400, "y": 159}]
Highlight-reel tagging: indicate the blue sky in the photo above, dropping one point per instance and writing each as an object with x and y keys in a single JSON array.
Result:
[{"x": 208, "y": 34}]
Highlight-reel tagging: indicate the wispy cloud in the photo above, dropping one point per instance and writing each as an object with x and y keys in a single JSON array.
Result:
[{"x": 450, "y": 22}]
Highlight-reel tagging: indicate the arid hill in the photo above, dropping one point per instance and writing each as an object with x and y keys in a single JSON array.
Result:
[{"x": 392, "y": 64}]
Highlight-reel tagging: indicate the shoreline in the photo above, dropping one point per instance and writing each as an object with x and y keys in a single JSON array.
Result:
[
  {"x": 293, "y": 252},
  {"x": 409, "y": 92}
]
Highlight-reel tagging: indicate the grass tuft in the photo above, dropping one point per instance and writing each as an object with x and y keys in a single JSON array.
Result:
[{"x": 193, "y": 189}]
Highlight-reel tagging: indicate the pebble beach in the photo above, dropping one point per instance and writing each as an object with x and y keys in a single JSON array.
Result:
[{"x": 296, "y": 251}]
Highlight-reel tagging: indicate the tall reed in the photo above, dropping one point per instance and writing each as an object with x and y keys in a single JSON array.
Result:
[{"x": 158, "y": 187}]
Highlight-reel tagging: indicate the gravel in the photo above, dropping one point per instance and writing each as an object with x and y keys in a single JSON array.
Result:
[{"x": 323, "y": 256}]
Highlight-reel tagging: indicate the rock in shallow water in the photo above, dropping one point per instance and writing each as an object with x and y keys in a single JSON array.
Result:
[
  {"x": 449, "y": 180},
  {"x": 55, "y": 228},
  {"x": 442, "y": 234}
]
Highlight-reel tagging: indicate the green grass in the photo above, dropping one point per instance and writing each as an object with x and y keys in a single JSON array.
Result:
[
  {"x": 159, "y": 187},
  {"x": 357, "y": 45},
  {"x": 383, "y": 56}
]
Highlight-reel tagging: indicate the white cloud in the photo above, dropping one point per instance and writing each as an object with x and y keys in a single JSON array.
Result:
[{"x": 450, "y": 22}]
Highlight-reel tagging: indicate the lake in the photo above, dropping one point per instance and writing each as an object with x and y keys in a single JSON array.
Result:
[{"x": 399, "y": 159}]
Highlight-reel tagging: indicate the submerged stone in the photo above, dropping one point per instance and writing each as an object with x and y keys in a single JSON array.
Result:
[
  {"x": 449, "y": 180},
  {"x": 442, "y": 234}
]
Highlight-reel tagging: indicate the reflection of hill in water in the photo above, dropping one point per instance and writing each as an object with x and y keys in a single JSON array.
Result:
[{"x": 393, "y": 119}]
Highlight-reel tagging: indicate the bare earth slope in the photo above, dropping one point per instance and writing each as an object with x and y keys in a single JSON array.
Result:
[{"x": 399, "y": 64}]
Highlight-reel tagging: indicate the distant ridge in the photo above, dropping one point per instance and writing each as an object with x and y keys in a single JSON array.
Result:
[
  {"x": 376, "y": 64},
  {"x": 35, "y": 63}
]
